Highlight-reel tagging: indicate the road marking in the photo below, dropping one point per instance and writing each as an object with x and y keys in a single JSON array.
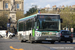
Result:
[{"x": 16, "y": 48}]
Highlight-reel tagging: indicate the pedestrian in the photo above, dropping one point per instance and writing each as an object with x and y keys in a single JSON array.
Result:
[
  {"x": 14, "y": 30},
  {"x": 6, "y": 33}
]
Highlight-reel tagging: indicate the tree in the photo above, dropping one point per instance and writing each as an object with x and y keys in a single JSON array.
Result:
[
  {"x": 68, "y": 17},
  {"x": 31, "y": 11},
  {"x": 3, "y": 21}
]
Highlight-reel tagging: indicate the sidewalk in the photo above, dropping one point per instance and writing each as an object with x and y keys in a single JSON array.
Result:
[{"x": 5, "y": 38}]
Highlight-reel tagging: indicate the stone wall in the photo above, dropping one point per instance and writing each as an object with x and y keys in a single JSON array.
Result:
[{"x": 5, "y": 12}]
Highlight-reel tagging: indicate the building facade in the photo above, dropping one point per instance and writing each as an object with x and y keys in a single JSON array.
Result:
[
  {"x": 13, "y": 10},
  {"x": 5, "y": 6}
]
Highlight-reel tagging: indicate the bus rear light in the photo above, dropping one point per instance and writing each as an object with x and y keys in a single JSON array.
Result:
[
  {"x": 60, "y": 35},
  {"x": 71, "y": 35}
]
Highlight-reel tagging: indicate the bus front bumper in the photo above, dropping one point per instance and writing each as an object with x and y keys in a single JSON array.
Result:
[{"x": 48, "y": 38}]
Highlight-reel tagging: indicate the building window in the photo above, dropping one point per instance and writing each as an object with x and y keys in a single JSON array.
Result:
[
  {"x": 13, "y": 16},
  {"x": 6, "y": 5},
  {"x": 17, "y": 5}
]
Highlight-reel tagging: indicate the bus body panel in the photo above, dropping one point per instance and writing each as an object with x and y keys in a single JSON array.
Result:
[
  {"x": 25, "y": 34},
  {"x": 47, "y": 35},
  {"x": 38, "y": 35}
]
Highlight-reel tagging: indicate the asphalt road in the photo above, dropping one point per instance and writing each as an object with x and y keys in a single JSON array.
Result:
[{"x": 15, "y": 44}]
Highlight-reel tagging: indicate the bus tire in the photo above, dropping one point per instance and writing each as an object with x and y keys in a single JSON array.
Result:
[
  {"x": 38, "y": 41},
  {"x": 65, "y": 41},
  {"x": 71, "y": 41},
  {"x": 22, "y": 41},
  {"x": 52, "y": 42},
  {"x": 59, "y": 41}
]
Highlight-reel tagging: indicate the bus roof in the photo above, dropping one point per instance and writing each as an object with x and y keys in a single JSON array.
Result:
[
  {"x": 47, "y": 14},
  {"x": 32, "y": 16},
  {"x": 22, "y": 19}
]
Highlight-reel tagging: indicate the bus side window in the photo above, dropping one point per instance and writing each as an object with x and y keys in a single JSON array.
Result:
[
  {"x": 30, "y": 25},
  {"x": 20, "y": 26},
  {"x": 24, "y": 26},
  {"x": 33, "y": 24}
]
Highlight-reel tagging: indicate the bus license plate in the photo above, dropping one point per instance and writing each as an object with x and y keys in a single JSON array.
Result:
[
  {"x": 67, "y": 36},
  {"x": 48, "y": 39}
]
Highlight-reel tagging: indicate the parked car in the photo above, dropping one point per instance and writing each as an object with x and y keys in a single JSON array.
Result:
[
  {"x": 10, "y": 35},
  {"x": 3, "y": 34},
  {"x": 66, "y": 35}
]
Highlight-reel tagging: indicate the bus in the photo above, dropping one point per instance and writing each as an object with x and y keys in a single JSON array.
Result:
[{"x": 39, "y": 27}]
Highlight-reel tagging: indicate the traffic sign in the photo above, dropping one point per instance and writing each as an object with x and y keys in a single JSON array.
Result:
[{"x": 8, "y": 25}]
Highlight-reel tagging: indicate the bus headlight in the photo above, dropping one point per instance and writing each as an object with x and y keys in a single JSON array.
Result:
[
  {"x": 57, "y": 34},
  {"x": 37, "y": 33}
]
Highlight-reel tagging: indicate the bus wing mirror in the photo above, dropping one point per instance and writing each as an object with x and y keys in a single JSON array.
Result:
[
  {"x": 35, "y": 18},
  {"x": 61, "y": 20}
]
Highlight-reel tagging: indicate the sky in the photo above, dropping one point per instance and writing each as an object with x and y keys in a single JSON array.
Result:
[{"x": 47, "y": 3}]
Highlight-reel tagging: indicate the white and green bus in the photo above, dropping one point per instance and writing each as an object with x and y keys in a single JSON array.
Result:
[{"x": 39, "y": 27}]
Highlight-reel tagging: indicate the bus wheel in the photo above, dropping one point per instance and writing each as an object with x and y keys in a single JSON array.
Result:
[
  {"x": 38, "y": 41},
  {"x": 65, "y": 41},
  {"x": 52, "y": 42},
  {"x": 71, "y": 41},
  {"x": 22, "y": 41},
  {"x": 59, "y": 41}
]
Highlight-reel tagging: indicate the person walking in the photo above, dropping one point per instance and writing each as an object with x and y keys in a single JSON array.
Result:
[{"x": 6, "y": 33}]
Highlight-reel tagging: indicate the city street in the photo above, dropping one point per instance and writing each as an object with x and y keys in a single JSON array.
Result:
[
  {"x": 37, "y": 21},
  {"x": 15, "y": 44}
]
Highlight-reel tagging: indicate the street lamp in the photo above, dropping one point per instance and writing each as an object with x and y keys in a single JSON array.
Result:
[{"x": 72, "y": 20}]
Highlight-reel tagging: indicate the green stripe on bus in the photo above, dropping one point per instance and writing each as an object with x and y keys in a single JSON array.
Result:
[
  {"x": 33, "y": 32},
  {"x": 37, "y": 27}
]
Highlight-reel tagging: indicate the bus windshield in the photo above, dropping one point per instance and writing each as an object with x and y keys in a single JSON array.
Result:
[
  {"x": 48, "y": 22},
  {"x": 49, "y": 17}
]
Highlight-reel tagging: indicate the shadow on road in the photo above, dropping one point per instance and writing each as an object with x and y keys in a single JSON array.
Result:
[
  {"x": 57, "y": 43},
  {"x": 50, "y": 42}
]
